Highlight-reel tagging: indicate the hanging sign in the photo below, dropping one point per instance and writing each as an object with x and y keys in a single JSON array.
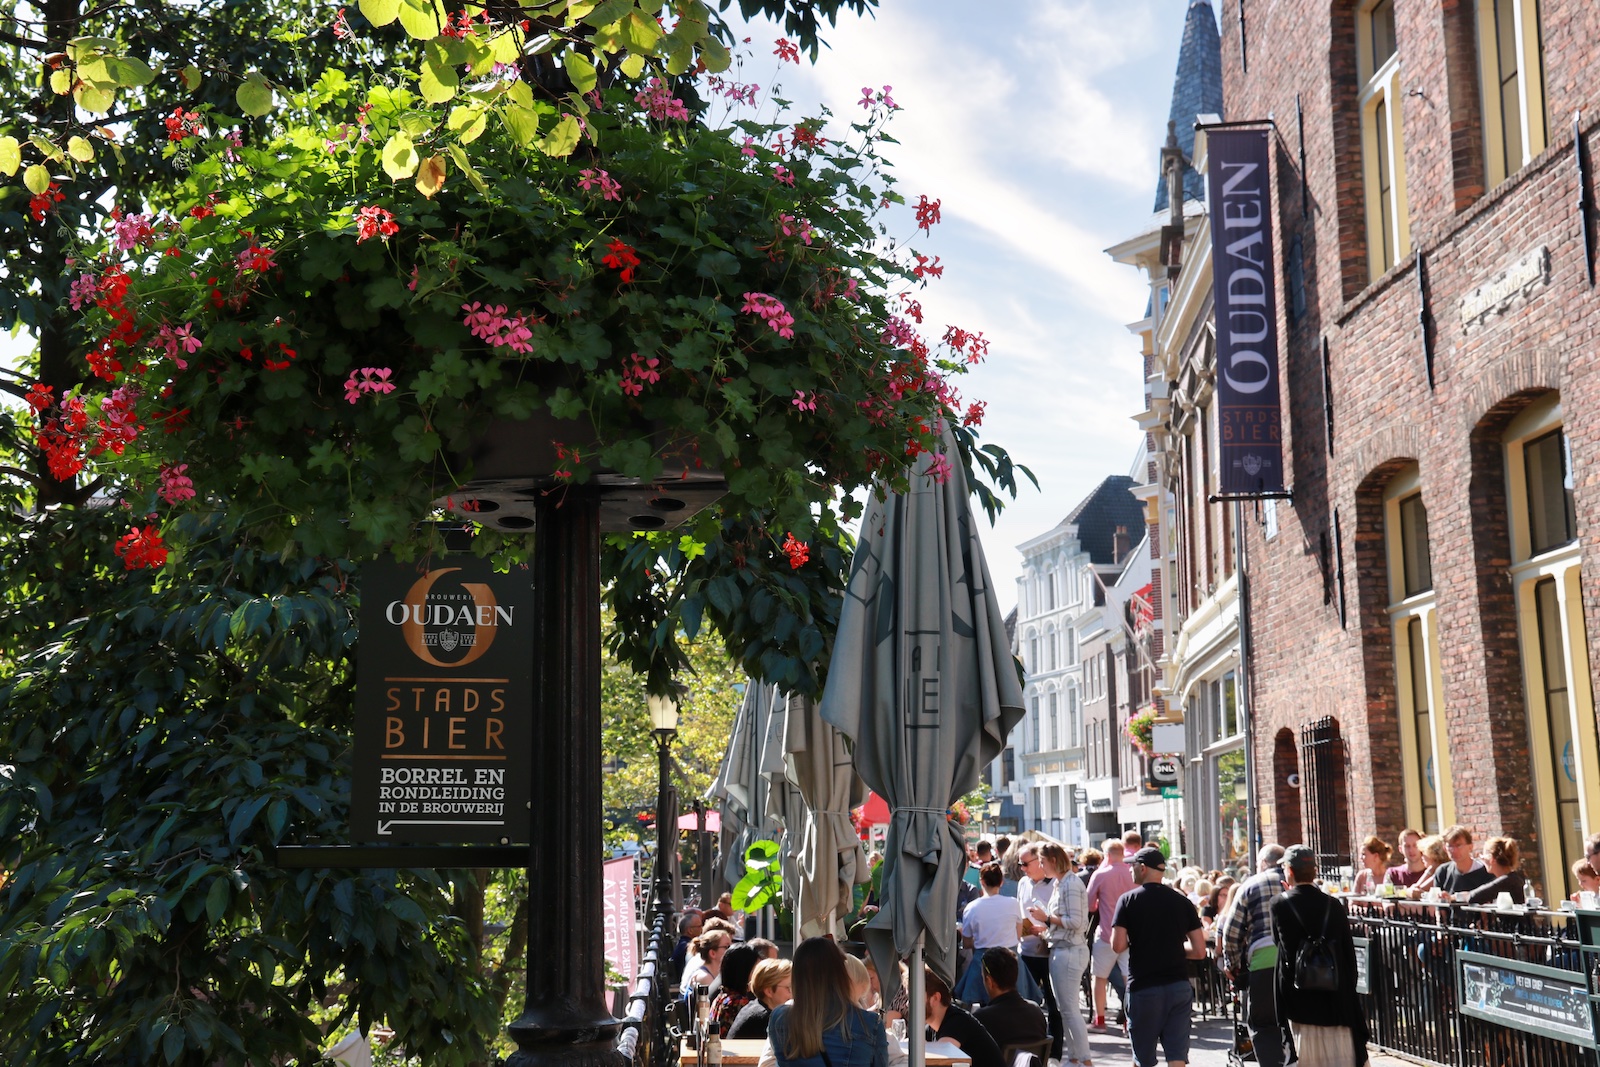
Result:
[
  {"x": 621, "y": 937},
  {"x": 1526, "y": 996},
  {"x": 1249, "y": 415},
  {"x": 444, "y": 695}
]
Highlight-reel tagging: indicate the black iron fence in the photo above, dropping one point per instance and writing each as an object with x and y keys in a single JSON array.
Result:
[
  {"x": 647, "y": 1038},
  {"x": 1475, "y": 987}
]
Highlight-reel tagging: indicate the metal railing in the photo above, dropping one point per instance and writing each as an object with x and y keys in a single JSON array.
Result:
[
  {"x": 647, "y": 1038},
  {"x": 1414, "y": 959}
]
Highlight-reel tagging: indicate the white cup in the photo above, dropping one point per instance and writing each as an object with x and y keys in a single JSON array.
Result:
[
  {"x": 898, "y": 1028},
  {"x": 1587, "y": 900},
  {"x": 1503, "y": 902}
]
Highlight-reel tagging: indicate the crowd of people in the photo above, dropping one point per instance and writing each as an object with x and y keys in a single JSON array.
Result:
[{"x": 1047, "y": 933}]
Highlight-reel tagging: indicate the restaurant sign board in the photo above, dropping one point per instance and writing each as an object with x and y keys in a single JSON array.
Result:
[{"x": 444, "y": 696}]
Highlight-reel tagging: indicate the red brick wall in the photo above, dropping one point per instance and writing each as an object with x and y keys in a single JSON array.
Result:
[{"x": 1385, "y": 414}]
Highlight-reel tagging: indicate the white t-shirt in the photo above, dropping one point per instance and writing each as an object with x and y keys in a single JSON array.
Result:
[
  {"x": 1030, "y": 893},
  {"x": 991, "y": 922}
]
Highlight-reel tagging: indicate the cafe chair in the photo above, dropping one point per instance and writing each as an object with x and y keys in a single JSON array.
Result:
[{"x": 1036, "y": 1054}]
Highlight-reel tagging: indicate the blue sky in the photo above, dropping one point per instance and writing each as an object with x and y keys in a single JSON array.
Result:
[{"x": 1039, "y": 127}]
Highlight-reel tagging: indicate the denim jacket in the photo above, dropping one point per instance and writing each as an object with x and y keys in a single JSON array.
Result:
[{"x": 859, "y": 1041}]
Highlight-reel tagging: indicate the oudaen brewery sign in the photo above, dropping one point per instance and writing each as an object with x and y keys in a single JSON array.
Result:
[{"x": 444, "y": 694}]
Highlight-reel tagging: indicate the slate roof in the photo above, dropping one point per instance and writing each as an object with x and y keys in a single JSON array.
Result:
[
  {"x": 1097, "y": 517},
  {"x": 1196, "y": 90}
]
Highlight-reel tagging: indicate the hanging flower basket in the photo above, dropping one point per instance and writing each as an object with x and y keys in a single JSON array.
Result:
[{"x": 1139, "y": 729}]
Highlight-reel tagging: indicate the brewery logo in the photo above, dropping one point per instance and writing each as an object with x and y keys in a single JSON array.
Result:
[{"x": 466, "y": 616}]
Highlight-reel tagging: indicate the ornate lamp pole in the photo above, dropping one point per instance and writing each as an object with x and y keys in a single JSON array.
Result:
[
  {"x": 664, "y": 720},
  {"x": 995, "y": 804}
]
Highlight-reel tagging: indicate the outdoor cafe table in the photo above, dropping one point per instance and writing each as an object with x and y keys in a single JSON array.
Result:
[{"x": 747, "y": 1053}]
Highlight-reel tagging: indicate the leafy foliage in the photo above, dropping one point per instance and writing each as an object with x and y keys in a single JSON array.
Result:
[{"x": 162, "y": 747}]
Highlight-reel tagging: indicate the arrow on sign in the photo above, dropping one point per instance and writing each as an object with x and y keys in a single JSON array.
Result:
[{"x": 383, "y": 827}]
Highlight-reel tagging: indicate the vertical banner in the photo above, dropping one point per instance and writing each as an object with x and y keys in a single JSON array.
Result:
[
  {"x": 621, "y": 934},
  {"x": 1249, "y": 415},
  {"x": 444, "y": 699}
]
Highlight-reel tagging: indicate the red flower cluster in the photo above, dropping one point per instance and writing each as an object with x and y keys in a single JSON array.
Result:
[
  {"x": 926, "y": 267},
  {"x": 927, "y": 212},
  {"x": 972, "y": 345},
  {"x": 41, "y": 204},
  {"x": 374, "y": 221},
  {"x": 806, "y": 135},
  {"x": 787, "y": 51},
  {"x": 181, "y": 124},
  {"x": 620, "y": 256},
  {"x": 141, "y": 548},
  {"x": 797, "y": 551},
  {"x": 60, "y": 436}
]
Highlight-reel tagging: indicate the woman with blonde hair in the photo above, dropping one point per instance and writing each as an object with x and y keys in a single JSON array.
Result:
[
  {"x": 1066, "y": 923},
  {"x": 770, "y": 985},
  {"x": 821, "y": 1027}
]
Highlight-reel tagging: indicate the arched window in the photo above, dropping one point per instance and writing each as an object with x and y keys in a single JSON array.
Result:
[{"x": 1382, "y": 147}]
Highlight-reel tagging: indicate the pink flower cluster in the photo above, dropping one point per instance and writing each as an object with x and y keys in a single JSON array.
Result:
[
  {"x": 803, "y": 401},
  {"x": 770, "y": 310},
  {"x": 119, "y": 422},
  {"x": 659, "y": 103},
  {"x": 940, "y": 468},
  {"x": 782, "y": 174},
  {"x": 491, "y": 325},
  {"x": 177, "y": 343},
  {"x": 374, "y": 221},
  {"x": 972, "y": 345},
  {"x": 367, "y": 380},
  {"x": 898, "y": 332},
  {"x": 85, "y": 289},
  {"x": 176, "y": 486},
  {"x": 792, "y": 226},
  {"x": 640, "y": 373},
  {"x": 733, "y": 90},
  {"x": 255, "y": 258},
  {"x": 869, "y": 99},
  {"x": 590, "y": 179},
  {"x": 132, "y": 231}
]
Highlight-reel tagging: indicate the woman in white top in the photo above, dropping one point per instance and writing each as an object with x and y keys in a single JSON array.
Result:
[
  {"x": 1066, "y": 928},
  {"x": 989, "y": 922}
]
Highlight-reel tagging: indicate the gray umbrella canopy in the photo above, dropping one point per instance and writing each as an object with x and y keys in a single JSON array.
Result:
[
  {"x": 830, "y": 860},
  {"x": 740, "y": 784},
  {"x": 923, "y": 682}
]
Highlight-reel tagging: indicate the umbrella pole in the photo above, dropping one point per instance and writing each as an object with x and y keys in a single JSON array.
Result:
[{"x": 915, "y": 1032}]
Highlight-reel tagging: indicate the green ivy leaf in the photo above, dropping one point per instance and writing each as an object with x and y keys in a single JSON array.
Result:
[
  {"x": 439, "y": 79},
  {"x": 564, "y": 138},
  {"x": 422, "y": 19},
  {"x": 522, "y": 123},
  {"x": 37, "y": 179},
  {"x": 10, "y": 156},
  {"x": 255, "y": 95},
  {"x": 400, "y": 157}
]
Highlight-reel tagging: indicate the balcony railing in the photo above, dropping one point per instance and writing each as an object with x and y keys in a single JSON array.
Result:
[{"x": 648, "y": 1038}]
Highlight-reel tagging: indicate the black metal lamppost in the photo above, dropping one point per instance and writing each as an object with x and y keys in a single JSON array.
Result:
[
  {"x": 995, "y": 804},
  {"x": 664, "y": 723}
]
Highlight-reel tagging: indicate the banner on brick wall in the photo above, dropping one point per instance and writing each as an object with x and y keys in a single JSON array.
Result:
[
  {"x": 621, "y": 940},
  {"x": 1249, "y": 409}
]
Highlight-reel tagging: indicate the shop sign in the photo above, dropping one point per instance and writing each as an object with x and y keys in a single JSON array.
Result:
[
  {"x": 1249, "y": 418},
  {"x": 1526, "y": 996},
  {"x": 444, "y": 696}
]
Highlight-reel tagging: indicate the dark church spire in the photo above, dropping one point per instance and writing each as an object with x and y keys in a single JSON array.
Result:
[{"x": 1196, "y": 90}]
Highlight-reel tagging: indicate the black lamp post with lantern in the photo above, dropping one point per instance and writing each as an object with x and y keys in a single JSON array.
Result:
[{"x": 664, "y": 724}]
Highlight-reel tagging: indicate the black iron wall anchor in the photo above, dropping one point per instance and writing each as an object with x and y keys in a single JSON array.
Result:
[
  {"x": 1580, "y": 156},
  {"x": 1425, "y": 314},
  {"x": 1327, "y": 393}
]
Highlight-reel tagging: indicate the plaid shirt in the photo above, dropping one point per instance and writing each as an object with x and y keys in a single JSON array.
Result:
[{"x": 1248, "y": 924}]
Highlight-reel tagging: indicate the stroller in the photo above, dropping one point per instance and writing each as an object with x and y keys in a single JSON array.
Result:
[{"x": 1243, "y": 1049}]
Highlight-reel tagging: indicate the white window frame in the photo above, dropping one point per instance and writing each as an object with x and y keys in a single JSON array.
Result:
[
  {"x": 1504, "y": 160},
  {"x": 1402, "y": 609},
  {"x": 1380, "y": 87}
]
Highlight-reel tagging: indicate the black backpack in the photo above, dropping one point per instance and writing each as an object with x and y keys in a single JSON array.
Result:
[{"x": 1316, "y": 963}]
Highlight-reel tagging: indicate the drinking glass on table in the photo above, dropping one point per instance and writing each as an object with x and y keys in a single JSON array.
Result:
[{"x": 898, "y": 1029}]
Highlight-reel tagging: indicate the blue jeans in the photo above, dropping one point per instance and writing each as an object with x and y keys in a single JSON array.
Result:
[{"x": 1160, "y": 1013}]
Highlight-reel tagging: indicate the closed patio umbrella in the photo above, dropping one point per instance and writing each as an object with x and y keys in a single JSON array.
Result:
[
  {"x": 830, "y": 859},
  {"x": 923, "y": 682}
]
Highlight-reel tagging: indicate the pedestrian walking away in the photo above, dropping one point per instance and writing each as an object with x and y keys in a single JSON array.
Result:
[
  {"x": 1160, "y": 930},
  {"x": 1249, "y": 953},
  {"x": 1316, "y": 970}
]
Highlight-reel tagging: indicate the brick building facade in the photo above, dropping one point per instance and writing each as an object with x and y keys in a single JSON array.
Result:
[{"x": 1420, "y": 609}]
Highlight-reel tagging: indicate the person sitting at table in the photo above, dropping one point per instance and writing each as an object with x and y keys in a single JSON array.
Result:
[
  {"x": 953, "y": 1023},
  {"x": 737, "y": 963},
  {"x": 705, "y": 957},
  {"x": 769, "y": 987},
  {"x": 1587, "y": 877},
  {"x": 1434, "y": 856},
  {"x": 820, "y": 1026},
  {"x": 1502, "y": 857},
  {"x": 765, "y": 950},
  {"x": 1374, "y": 866},
  {"x": 1009, "y": 1019}
]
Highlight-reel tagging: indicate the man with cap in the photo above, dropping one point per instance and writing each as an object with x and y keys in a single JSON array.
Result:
[
  {"x": 1249, "y": 953},
  {"x": 1160, "y": 931},
  {"x": 1330, "y": 1028}
]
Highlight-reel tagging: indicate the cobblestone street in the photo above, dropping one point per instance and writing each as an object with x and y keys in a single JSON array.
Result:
[{"x": 1208, "y": 1047}]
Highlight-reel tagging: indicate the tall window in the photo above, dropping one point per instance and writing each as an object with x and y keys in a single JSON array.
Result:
[
  {"x": 1550, "y": 628},
  {"x": 1055, "y": 725},
  {"x": 1036, "y": 735},
  {"x": 1382, "y": 148},
  {"x": 1074, "y": 716},
  {"x": 1008, "y": 765},
  {"x": 1419, "y": 686},
  {"x": 1034, "y": 662},
  {"x": 1051, "y": 644},
  {"x": 1511, "y": 70}
]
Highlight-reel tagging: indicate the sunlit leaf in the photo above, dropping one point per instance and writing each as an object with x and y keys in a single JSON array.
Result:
[
  {"x": 633, "y": 66},
  {"x": 380, "y": 12},
  {"x": 191, "y": 77},
  {"x": 93, "y": 100},
  {"x": 465, "y": 164},
  {"x": 521, "y": 123},
  {"x": 254, "y": 96},
  {"x": 564, "y": 138},
  {"x": 422, "y": 19},
  {"x": 642, "y": 31},
  {"x": 80, "y": 149},
  {"x": 36, "y": 178},
  {"x": 715, "y": 54},
  {"x": 61, "y": 82},
  {"x": 439, "y": 79},
  {"x": 10, "y": 156},
  {"x": 607, "y": 11},
  {"x": 400, "y": 158},
  {"x": 580, "y": 70},
  {"x": 430, "y": 176}
]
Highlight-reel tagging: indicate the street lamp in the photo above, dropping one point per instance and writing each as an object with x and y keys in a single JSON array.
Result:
[
  {"x": 664, "y": 722},
  {"x": 995, "y": 804}
]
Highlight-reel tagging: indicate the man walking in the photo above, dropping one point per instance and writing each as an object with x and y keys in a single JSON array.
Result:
[
  {"x": 1330, "y": 1029},
  {"x": 1160, "y": 931},
  {"x": 1106, "y": 886},
  {"x": 1250, "y": 952}
]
